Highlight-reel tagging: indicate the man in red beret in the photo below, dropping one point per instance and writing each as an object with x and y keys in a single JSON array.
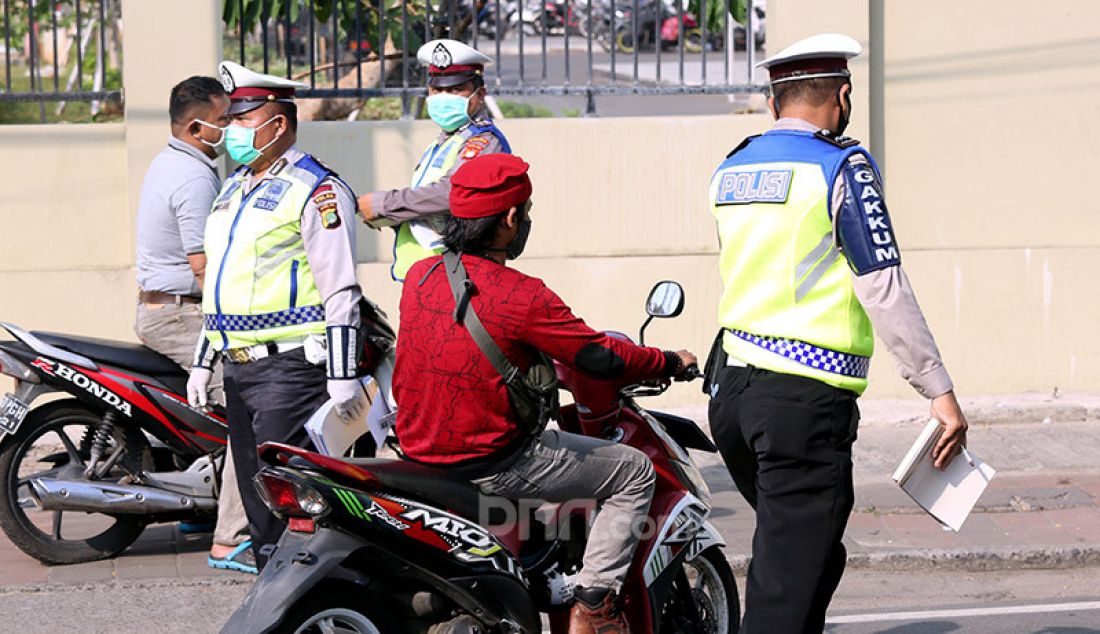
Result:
[{"x": 453, "y": 407}]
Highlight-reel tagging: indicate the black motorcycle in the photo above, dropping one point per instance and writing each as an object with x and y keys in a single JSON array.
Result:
[{"x": 82, "y": 476}]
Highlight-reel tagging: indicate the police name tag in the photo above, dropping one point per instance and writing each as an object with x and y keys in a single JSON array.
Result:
[
  {"x": 222, "y": 201},
  {"x": 762, "y": 186}
]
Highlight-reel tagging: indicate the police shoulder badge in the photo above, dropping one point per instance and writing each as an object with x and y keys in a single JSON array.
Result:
[
  {"x": 838, "y": 140},
  {"x": 324, "y": 194},
  {"x": 474, "y": 146},
  {"x": 441, "y": 57},
  {"x": 330, "y": 215}
]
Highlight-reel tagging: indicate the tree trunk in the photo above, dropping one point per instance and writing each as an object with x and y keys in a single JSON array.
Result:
[{"x": 337, "y": 108}]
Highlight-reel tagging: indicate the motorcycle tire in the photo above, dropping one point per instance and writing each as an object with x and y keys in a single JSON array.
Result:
[
  {"x": 625, "y": 40},
  {"x": 336, "y": 608},
  {"x": 714, "y": 594},
  {"x": 51, "y": 548},
  {"x": 693, "y": 40}
]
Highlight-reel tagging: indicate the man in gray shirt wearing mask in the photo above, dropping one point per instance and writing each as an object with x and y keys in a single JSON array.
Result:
[{"x": 176, "y": 197}]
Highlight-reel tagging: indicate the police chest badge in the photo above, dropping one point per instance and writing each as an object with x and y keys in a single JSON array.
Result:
[
  {"x": 441, "y": 57},
  {"x": 222, "y": 202},
  {"x": 274, "y": 191}
]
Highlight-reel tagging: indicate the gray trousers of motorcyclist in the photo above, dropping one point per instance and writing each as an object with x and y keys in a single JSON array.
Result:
[{"x": 562, "y": 467}]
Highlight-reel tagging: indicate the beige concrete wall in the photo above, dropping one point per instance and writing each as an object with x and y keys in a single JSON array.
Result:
[
  {"x": 66, "y": 255},
  {"x": 991, "y": 138}
]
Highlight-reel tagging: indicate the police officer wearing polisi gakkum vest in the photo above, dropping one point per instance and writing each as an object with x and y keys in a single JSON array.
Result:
[
  {"x": 808, "y": 262},
  {"x": 456, "y": 103},
  {"x": 281, "y": 301}
]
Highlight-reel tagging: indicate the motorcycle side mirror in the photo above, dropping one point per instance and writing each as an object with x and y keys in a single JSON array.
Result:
[{"x": 665, "y": 300}]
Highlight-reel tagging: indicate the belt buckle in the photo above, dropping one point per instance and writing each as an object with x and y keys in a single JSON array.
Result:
[{"x": 238, "y": 355}]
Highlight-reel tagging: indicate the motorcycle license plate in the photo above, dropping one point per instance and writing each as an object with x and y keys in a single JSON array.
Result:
[{"x": 12, "y": 413}]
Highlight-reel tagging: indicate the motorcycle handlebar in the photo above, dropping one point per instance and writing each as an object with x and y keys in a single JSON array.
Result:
[{"x": 691, "y": 373}]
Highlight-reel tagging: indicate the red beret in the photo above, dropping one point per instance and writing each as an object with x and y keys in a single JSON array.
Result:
[{"x": 489, "y": 185}]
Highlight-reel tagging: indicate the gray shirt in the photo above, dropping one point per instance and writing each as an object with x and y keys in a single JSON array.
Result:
[
  {"x": 889, "y": 301},
  {"x": 176, "y": 196}
]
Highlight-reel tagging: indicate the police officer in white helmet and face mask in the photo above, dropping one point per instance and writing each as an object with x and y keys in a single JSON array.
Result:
[
  {"x": 456, "y": 103},
  {"x": 809, "y": 262},
  {"x": 281, "y": 305}
]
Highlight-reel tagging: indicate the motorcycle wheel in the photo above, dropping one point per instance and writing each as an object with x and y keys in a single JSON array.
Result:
[
  {"x": 67, "y": 426},
  {"x": 713, "y": 593},
  {"x": 625, "y": 40},
  {"x": 334, "y": 608},
  {"x": 693, "y": 40}
]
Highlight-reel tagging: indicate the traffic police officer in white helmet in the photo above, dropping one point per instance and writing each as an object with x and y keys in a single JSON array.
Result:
[
  {"x": 456, "y": 103},
  {"x": 282, "y": 300},
  {"x": 809, "y": 262}
]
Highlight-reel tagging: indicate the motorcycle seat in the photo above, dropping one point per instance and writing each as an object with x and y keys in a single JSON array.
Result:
[
  {"x": 425, "y": 483},
  {"x": 121, "y": 354}
]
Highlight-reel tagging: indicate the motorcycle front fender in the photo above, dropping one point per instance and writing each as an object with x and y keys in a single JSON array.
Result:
[{"x": 300, "y": 563}]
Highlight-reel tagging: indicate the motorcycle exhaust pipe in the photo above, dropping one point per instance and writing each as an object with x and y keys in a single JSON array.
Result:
[{"x": 102, "y": 497}]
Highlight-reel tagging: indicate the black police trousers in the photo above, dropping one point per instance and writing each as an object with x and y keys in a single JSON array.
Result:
[
  {"x": 787, "y": 442},
  {"x": 269, "y": 400}
]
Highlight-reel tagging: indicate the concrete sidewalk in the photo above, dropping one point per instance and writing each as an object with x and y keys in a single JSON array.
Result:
[{"x": 1041, "y": 511}]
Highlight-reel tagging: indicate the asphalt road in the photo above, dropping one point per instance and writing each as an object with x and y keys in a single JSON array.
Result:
[
  {"x": 557, "y": 68},
  {"x": 1007, "y": 602},
  {"x": 1017, "y": 602}
]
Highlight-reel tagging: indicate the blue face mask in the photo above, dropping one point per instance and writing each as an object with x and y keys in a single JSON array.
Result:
[
  {"x": 240, "y": 142},
  {"x": 449, "y": 111}
]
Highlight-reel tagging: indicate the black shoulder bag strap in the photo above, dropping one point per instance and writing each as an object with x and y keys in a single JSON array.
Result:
[{"x": 463, "y": 288}]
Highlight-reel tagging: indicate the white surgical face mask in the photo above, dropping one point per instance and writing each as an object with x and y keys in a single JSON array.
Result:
[{"x": 219, "y": 145}]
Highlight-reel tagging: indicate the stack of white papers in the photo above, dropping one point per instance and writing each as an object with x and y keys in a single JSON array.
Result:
[
  {"x": 330, "y": 434},
  {"x": 948, "y": 494},
  {"x": 333, "y": 436}
]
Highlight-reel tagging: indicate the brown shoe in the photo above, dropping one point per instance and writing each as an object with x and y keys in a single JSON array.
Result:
[{"x": 596, "y": 611}]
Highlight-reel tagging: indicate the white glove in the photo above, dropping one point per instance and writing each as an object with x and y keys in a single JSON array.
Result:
[
  {"x": 198, "y": 386},
  {"x": 348, "y": 397}
]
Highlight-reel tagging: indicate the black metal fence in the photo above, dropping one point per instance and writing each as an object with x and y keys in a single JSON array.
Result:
[
  {"x": 357, "y": 49},
  {"x": 61, "y": 51}
]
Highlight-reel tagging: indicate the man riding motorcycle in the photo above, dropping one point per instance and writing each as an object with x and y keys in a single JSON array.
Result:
[{"x": 454, "y": 407}]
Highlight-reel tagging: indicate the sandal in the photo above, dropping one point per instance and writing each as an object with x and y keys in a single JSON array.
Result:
[{"x": 240, "y": 559}]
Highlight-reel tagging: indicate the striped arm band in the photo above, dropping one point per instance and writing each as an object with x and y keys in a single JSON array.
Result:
[
  {"x": 205, "y": 354},
  {"x": 343, "y": 352}
]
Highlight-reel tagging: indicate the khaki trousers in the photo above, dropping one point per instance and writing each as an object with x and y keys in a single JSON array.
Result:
[{"x": 173, "y": 331}]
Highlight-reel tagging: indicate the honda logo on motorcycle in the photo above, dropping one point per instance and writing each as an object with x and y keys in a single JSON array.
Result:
[{"x": 53, "y": 368}]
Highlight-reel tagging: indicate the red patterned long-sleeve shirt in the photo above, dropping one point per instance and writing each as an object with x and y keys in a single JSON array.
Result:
[{"x": 452, "y": 405}]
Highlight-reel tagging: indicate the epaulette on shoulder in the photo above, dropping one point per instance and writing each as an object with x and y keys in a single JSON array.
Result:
[
  {"x": 838, "y": 140},
  {"x": 742, "y": 145}
]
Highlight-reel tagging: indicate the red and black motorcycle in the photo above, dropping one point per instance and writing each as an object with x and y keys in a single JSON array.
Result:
[
  {"x": 82, "y": 476},
  {"x": 392, "y": 546}
]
